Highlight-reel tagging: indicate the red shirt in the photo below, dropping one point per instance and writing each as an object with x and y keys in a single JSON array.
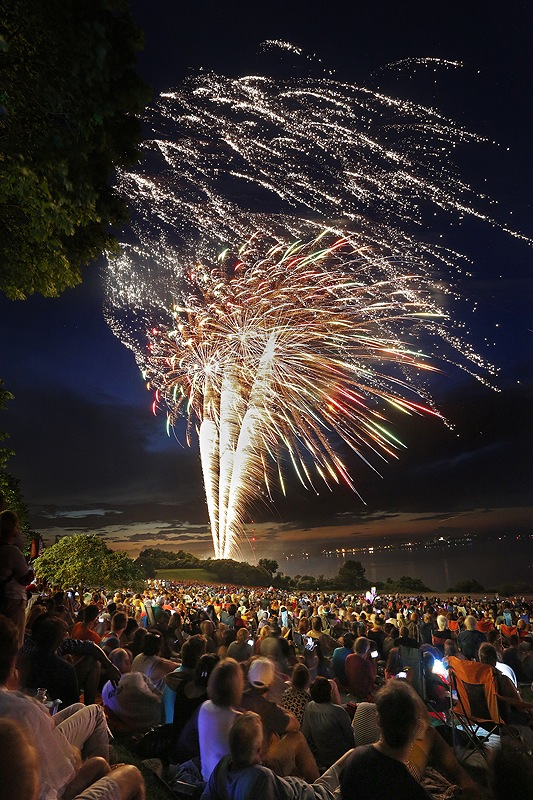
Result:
[
  {"x": 360, "y": 675},
  {"x": 81, "y": 631}
]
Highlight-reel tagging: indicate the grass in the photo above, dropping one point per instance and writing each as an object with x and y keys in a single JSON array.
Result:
[
  {"x": 196, "y": 575},
  {"x": 155, "y": 790}
]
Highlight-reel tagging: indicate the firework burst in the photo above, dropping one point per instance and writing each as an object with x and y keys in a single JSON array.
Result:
[
  {"x": 308, "y": 332},
  {"x": 274, "y": 357}
]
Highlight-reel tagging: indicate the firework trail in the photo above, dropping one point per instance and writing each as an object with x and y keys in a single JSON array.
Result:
[{"x": 312, "y": 319}]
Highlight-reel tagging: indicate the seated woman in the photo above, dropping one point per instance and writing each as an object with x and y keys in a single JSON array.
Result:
[
  {"x": 327, "y": 727},
  {"x": 190, "y": 695},
  {"x": 134, "y": 701},
  {"x": 150, "y": 662},
  {"x": 240, "y": 649},
  {"x": 217, "y": 714},
  {"x": 296, "y": 697}
]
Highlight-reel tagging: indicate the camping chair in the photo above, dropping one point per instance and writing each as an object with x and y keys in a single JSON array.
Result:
[
  {"x": 474, "y": 693},
  {"x": 412, "y": 657},
  {"x": 453, "y": 627},
  {"x": 506, "y": 631}
]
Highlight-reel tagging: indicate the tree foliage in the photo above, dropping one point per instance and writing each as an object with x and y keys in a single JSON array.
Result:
[
  {"x": 351, "y": 576},
  {"x": 69, "y": 95},
  {"x": 237, "y": 572},
  {"x": 9, "y": 485},
  {"x": 85, "y": 561},
  {"x": 408, "y": 584},
  {"x": 270, "y": 565},
  {"x": 466, "y": 587},
  {"x": 151, "y": 559}
]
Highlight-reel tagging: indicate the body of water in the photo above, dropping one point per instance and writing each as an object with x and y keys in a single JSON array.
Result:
[{"x": 491, "y": 563}]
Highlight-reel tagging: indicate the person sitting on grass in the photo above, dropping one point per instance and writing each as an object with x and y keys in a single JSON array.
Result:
[
  {"x": 240, "y": 775},
  {"x": 285, "y": 749},
  {"x": 326, "y": 726},
  {"x": 296, "y": 697},
  {"x": 60, "y": 740},
  {"x": 378, "y": 770},
  {"x": 134, "y": 701},
  {"x": 150, "y": 662},
  {"x": 20, "y": 773},
  {"x": 44, "y": 667},
  {"x": 361, "y": 670}
]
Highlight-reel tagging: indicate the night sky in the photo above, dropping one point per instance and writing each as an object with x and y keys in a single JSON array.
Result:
[{"x": 89, "y": 453}]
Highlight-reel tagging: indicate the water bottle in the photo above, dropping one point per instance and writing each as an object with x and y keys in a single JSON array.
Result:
[{"x": 41, "y": 696}]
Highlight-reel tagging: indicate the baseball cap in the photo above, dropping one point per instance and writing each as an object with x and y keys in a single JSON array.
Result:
[{"x": 261, "y": 672}]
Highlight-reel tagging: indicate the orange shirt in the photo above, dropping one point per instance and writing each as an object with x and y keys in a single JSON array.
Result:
[{"x": 81, "y": 631}]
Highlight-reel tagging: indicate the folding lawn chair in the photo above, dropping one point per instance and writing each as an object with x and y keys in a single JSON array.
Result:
[
  {"x": 474, "y": 704},
  {"x": 412, "y": 657}
]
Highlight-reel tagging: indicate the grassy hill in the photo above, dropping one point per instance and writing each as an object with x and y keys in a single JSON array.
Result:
[{"x": 196, "y": 575}]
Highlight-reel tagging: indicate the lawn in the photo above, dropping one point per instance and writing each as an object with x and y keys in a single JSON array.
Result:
[{"x": 196, "y": 575}]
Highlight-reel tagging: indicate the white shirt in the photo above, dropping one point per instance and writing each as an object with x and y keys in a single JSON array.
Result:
[
  {"x": 56, "y": 756},
  {"x": 214, "y": 723},
  {"x": 135, "y": 701}
]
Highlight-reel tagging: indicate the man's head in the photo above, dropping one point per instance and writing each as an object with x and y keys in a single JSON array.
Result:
[
  {"x": 191, "y": 651},
  {"x": 121, "y": 659},
  {"x": 320, "y": 690},
  {"x": 246, "y": 740},
  {"x": 361, "y": 645},
  {"x": 398, "y": 714},
  {"x": 261, "y": 673},
  {"x": 470, "y": 623},
  {"x": 347, "y": 640},
  {"x": 487, "y": 654},
  {"x": 48, "y": 632},
  {"x": 152, "y": 644},
  {"x": 119, "y": 622},
  {"x": 90, "y": 614},
  {"x": 450, "y": 648}
]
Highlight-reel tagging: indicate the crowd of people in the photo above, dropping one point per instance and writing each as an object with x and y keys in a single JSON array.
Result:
[{"x": 260, "y": 692}]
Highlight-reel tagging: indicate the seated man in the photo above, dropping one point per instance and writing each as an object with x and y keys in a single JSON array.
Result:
[
  {"x": 470, "y": 639},
  {"x": 59, "y": 740},
  {"x": 361, "y": 670},
  {"x": 240, "y": 775},
  {"x": 340, "y": 654},
  {"x": 513, "y": 658},
  {"x": 378, "y": 770},
  {"x": 134, "y": 701},
  {"x": 88, "y": 658},
  {"x": 513, "y": 710},
  {"x": 285, "y": 749},
  {"x": 113, "y": 639},
  {"x": 125, "y": 782},
  {"x": 44, "y": 668}
]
